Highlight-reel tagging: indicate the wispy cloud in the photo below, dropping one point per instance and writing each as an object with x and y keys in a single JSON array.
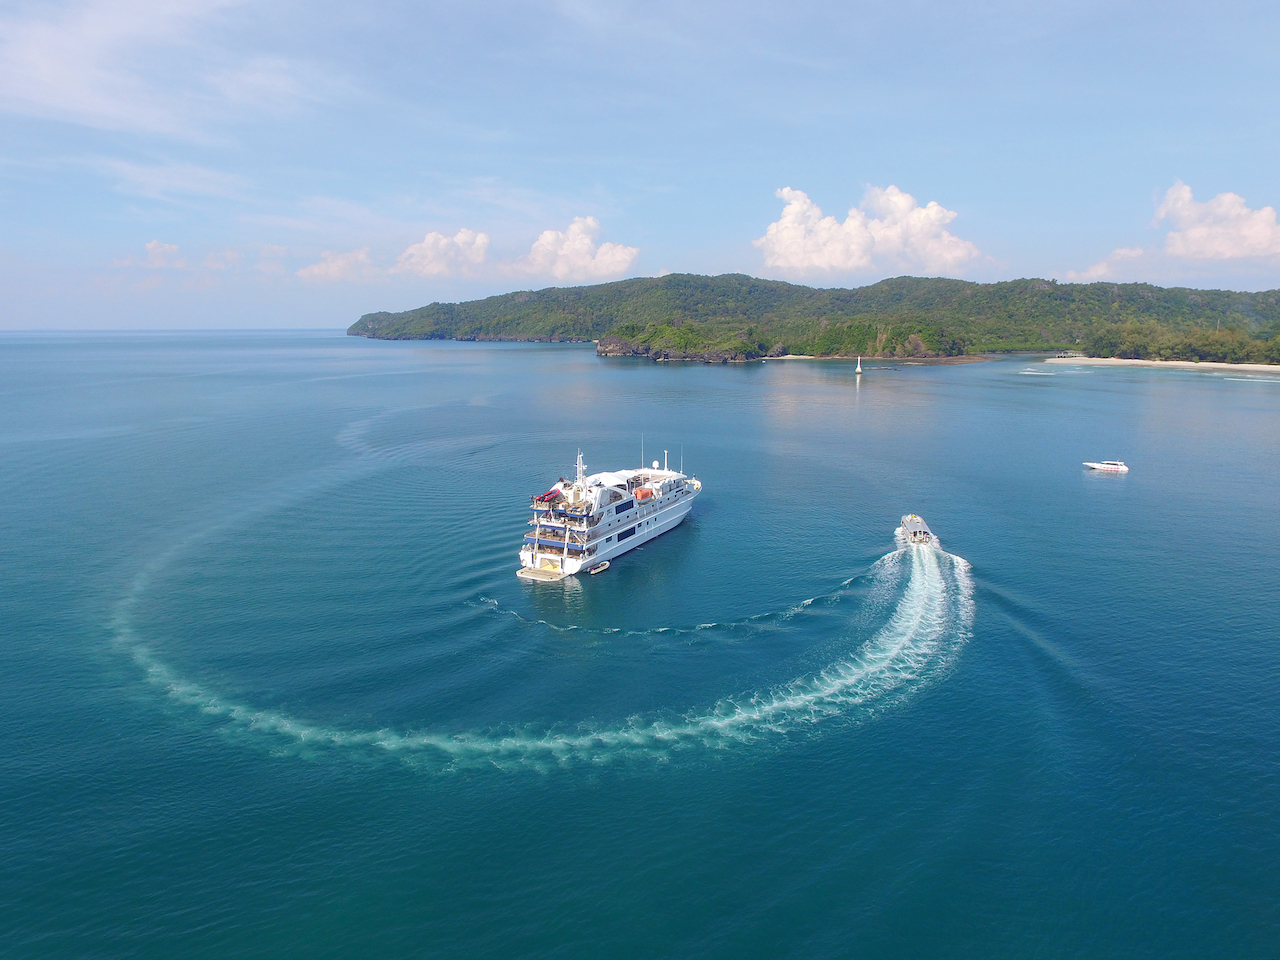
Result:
[
  {"x": 332, "y": 221},
  {"x": 354, "y": 266},
  {"x": 268, "y": 83},
  {"x": 82, "y": 63},
  {"x": 271, "y": 259},
  {"x": 140, "y": 66},
  {"x": 159, "y": 256},
  {"x": 222, "y": 260},
  {"x": 888, "y": 231},
  {"x": 170, "y": 180}
]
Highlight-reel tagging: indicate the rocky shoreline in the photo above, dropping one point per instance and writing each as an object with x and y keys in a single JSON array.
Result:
[
  {"x": 615, "y": 346},
  {"x": 367, "y": 329}
]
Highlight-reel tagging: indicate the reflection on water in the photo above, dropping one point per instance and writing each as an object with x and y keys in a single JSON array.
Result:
[{"x": 243, "y": 572}]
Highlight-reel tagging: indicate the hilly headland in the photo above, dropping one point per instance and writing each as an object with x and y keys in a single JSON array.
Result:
[{"x": 735, "y": 318}]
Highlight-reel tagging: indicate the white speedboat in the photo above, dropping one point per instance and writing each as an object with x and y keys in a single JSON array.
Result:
[
  {"x": 1107, "y": 466},
  {"x": 916, "y": 532},
  {"x": 583, "y": 523}
]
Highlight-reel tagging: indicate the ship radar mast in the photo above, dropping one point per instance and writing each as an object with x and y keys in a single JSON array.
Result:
[{"x": 582, "y": 468}]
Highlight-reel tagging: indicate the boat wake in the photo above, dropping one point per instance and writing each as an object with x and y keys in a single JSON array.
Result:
[{"x": 930, "y": 621}]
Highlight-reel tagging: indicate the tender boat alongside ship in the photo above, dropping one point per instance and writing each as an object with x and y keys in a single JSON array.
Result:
[
  {"x": 1107, "y": 466},
  {"x": 916, "y": 532},
  {"x": 581, "y": 524}
]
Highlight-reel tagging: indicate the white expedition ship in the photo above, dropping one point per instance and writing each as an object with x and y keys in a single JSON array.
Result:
[{"x": 583, "y": 523}]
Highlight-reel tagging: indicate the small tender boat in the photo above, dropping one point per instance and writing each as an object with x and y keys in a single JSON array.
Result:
[
  {"x": 1107, "y": 466},
  {"x": 599, "y": 568},
  {"x": 917, "y": 532}
]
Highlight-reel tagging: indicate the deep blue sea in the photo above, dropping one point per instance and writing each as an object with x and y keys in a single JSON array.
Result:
[{"x": 269, "y": 686}]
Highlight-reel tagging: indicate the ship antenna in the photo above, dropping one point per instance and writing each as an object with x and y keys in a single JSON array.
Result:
[
  {"x": 582, "y": 468},
  {"x": 642, "y": 451},
  {"x": 664, "y": 461},
  {"x": 682, "y": 459}
]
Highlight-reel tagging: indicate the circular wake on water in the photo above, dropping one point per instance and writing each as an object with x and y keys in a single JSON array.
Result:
[{"x": 926, "y": 627}]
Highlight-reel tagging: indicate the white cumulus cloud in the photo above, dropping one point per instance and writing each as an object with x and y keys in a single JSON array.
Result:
[
  {"x": 1223, "y": 228},
  {"x": 572, "y": 254},
  {"x": 353, "y": 266},
  {"x": 1106, "y": 267},
  {"x": 438, "y": 255},
  {"x": 889, "y": 230}
]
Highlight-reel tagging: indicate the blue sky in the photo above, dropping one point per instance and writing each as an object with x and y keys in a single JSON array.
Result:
[{"x": 250, "y": 164}]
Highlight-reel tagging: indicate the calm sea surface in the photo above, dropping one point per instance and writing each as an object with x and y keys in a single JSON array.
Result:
[{"x": 269, "y": 685}]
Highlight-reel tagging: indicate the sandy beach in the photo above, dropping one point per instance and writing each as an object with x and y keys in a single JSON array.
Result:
[{"x": 1272, "y": 368}]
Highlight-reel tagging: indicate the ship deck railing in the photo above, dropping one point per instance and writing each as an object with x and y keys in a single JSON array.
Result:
[
  {"x": 559, "y": 544},
  {"x": 555, "y": 524},
  {"x": 564, "y": 510}
]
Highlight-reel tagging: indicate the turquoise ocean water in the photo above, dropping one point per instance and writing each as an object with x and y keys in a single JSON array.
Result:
[{"x": 271, "y": 687}]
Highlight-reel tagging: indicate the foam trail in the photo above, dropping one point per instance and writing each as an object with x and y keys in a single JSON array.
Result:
[
  {"x": 931, "y": 620},
  {"x": 896, "y": 655}
]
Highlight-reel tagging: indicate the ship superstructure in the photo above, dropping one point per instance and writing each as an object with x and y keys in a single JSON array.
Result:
[{"x": 581, "y": 523}]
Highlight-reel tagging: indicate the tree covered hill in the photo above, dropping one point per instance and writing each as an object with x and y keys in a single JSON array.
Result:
[{"x": 684, "y": 316}]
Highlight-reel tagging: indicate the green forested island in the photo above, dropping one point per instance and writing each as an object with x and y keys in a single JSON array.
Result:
[{"x": 736, "y": 317}]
